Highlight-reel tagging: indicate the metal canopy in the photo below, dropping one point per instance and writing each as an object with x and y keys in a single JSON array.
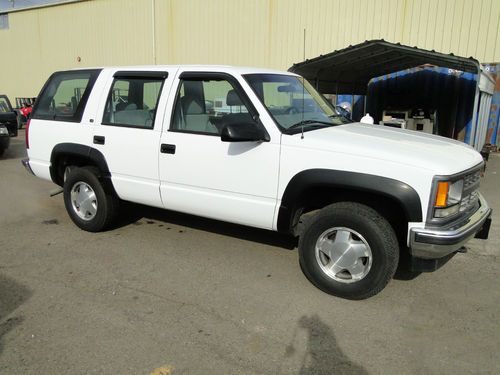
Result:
[{"x": 348, "y": 71}]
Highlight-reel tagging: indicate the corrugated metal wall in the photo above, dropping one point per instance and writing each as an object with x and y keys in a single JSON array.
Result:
[
  {"x": 267, "y": 33},
  {"x": 44, "y": 40}
]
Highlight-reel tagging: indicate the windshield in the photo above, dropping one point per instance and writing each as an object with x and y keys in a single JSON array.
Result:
[{"x": 293, "y": 102}]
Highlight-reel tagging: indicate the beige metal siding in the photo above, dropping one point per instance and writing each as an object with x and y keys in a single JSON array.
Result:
[
  {"x": 44, "y": 40},
  {"x": 267, "y": 33}
]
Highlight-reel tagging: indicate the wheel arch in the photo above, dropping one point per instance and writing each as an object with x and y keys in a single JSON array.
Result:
[
  {"x": 316, "y": 188},
  {"x": 74, "y": 154}
]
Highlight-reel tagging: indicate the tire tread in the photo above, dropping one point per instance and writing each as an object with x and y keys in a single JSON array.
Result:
[
  {"x": 385, "y": 230},
  {"x": 109, "y": 203}
]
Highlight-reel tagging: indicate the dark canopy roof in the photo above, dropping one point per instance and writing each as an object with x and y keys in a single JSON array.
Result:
[{"x": 348, "y": 71}]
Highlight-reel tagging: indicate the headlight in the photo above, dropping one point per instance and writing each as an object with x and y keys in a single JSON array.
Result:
[
  {"x": 447, "y": 198},
  {"x": 3, "y": 130}
]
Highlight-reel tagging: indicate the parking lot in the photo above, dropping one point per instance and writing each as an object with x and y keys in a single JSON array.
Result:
[{"x": 168, "y": 293}]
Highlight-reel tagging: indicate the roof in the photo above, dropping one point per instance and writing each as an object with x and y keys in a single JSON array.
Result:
[
  {"x": 350, "y": 69},
  {"x": 195, "y": 68}
]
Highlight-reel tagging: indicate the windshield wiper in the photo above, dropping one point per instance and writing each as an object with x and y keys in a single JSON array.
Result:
[
  {"x": 345, "y": 119},
  {"x": 305, "y": 123}
]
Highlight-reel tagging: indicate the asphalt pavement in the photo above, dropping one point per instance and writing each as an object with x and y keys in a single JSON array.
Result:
[{"x": 165, "y": 293}]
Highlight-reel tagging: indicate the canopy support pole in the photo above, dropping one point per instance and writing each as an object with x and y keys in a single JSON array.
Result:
[{"x": 472, "y": 137}]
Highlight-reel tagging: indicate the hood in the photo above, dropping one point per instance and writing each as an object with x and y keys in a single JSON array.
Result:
[{"x": 438, "y": 154}]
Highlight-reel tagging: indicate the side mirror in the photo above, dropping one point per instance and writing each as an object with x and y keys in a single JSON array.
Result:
[{"x": 243, "y": 132}]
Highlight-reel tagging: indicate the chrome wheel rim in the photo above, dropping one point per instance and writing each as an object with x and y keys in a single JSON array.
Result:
[
  {"x": 83, "y": 201},
  {"x": 343, "y": 254}
]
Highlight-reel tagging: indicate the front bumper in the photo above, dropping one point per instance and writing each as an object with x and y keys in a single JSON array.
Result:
[
  {"x": 4, "y": 139},
  {"x": 4, "y": 142},
  {"x": 438, "y": 242}
]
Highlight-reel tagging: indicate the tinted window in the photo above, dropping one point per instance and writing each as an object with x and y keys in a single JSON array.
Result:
[
  {"x": 4, "y": 105},
  {"x": 64, "y": 96},
  {"x": 132, "y": 102},
  {"x": 205, "y": 106}
]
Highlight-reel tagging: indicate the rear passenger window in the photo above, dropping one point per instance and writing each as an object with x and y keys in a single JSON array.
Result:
[
  {"x": 132, "y": 102},
  {"x": 64, "y": 96}
]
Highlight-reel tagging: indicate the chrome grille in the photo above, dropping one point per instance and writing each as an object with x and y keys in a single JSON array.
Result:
[
  {"x": 471, "y": 180},
  {"x": 470, "y": 198},
  {"x": 469, "y": 201}
]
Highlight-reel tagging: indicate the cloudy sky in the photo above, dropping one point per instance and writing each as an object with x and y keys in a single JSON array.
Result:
[{"x": 5, "y": 5}]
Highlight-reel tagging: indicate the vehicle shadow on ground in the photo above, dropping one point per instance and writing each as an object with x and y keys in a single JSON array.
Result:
[
  {"x": 404, "y": 271},
  {"x": 323, "y": 354},
  {"x": 12, "y": 295},
  {"x": 131, "y": 213}
]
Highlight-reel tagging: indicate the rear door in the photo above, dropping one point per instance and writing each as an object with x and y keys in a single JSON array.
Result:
[{"x": 128, "y": 132}]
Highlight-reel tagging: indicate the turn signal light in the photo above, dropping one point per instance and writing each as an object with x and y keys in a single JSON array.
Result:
[{"x": 442, "y": 193}]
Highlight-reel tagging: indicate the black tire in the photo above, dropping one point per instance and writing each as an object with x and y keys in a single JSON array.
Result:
[
  {"x": 2, "y": 150},
  {"x": 106, "y": 204},
  {"x": 354, "y": 219}
]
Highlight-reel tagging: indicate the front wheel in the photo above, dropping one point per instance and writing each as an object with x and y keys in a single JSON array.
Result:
[
  {"x": 349, "y": 250},
  {"x": 89, "y": 206}
]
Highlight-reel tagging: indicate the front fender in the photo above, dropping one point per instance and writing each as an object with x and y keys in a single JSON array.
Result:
[{"x": 400, "y": 192}]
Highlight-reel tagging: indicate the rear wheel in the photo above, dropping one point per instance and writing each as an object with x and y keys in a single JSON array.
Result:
[
  {"x": 349, "y": 250},
  {"x": 89, "y": 206}
]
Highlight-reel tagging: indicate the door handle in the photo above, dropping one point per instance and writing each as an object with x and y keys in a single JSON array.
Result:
[
  {"x": 99, "y": 139},
  {"x": 167, "y": 149}
]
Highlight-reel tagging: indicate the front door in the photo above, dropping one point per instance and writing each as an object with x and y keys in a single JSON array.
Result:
[{"x": 201, "y": 174}]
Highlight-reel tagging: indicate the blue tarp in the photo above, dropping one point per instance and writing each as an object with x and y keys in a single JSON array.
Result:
[
  {"x": 448, "y": 91},
  {"x": 494, "y": 117},
  {"x": 357, "y": 103}
]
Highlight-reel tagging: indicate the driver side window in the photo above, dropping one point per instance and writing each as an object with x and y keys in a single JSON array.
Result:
[{"x": 205, "y": 106}]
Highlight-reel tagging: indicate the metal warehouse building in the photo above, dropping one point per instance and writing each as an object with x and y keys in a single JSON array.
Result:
[
  {"x": 266, "y": 33},
  {"x": 37, "y": 41}
]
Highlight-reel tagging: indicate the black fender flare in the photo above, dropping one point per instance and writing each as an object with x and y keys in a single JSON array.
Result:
[
  {"x": 402, "y": 193},
  {"x": 85, "y": 153}
]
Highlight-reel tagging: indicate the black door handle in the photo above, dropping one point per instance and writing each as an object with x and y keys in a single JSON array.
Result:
[
  {"x": 99, "y": 139},
  {"x": 167, "y": 149}
]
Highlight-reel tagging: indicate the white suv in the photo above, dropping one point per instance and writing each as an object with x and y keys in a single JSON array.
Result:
[{"x": 260, "y": 148}]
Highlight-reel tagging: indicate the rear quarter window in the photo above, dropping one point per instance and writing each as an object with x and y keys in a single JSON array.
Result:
[{"x": 64, "y": 96}]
